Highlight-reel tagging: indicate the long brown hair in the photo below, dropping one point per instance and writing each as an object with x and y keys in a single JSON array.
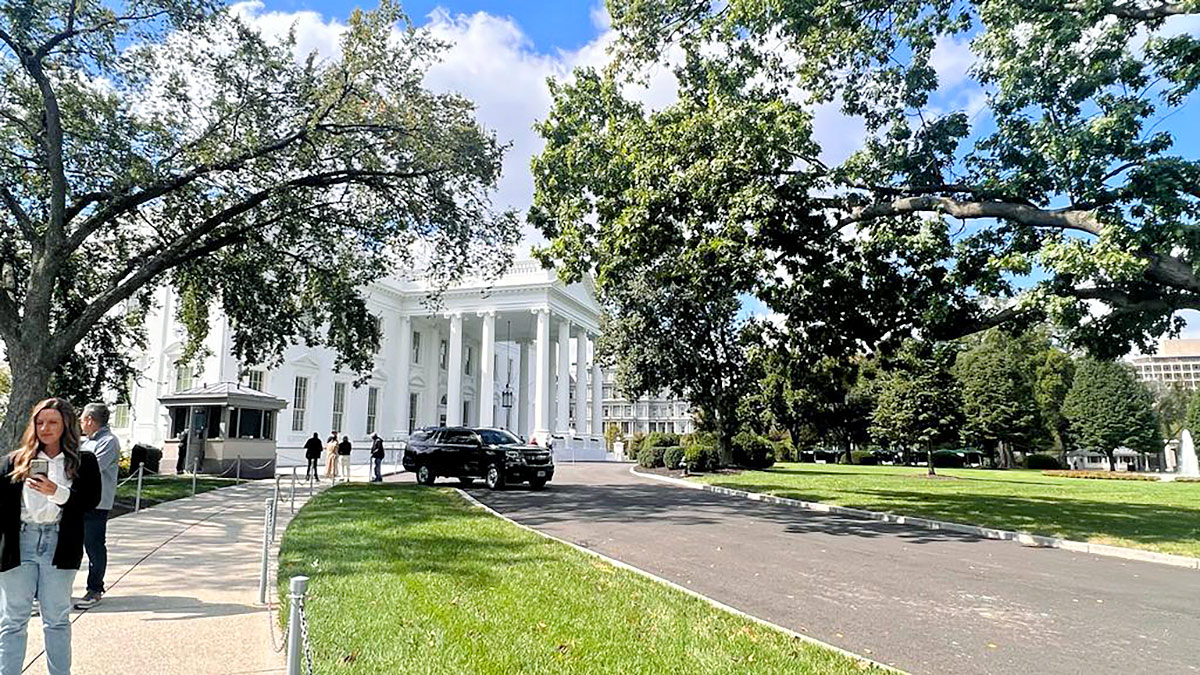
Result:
[{"x": 30, "y": 445}]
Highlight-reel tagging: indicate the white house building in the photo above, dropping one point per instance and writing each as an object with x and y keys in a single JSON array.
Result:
[{"x": 525, "y": 332}]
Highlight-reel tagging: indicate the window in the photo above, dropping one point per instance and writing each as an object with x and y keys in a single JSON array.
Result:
[
  {"x": 467, "y": 360},
  {"x": 416, "y": 355},
  {"x": 372, "y": 403},
  {"x": 299, "y": 403},
  {"x": 121, "y": 416},
  {"x": 255, "y": 379},
  {"x": 378, "y": 326},
  {"x": 184, "y": 375},
  {"x": 339, "y": 406},
  {"x": 466, "y": 418},
  {"x": 443, "y": 354},
  {"x": 413, "y": 402}
]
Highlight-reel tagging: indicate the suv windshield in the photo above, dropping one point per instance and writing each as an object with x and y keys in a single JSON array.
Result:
[{"x": 498, "y": 437}]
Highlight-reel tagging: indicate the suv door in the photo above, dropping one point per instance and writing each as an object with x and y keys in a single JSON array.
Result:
[{"x": 454, "y": 447}]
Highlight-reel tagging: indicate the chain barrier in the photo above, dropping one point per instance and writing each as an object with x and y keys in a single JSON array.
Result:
[
  {"x": 280, "y": 642},
  {"x": 307, "y": 644}
]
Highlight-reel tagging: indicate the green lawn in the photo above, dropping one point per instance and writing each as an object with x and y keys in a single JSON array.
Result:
[
  {"x": 409, "y": 579},
  {"x": 159, "y": 489},
  {"x": 1149, "y": 515}
]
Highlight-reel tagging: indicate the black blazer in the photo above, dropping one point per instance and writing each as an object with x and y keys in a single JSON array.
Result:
[
  {"x": 344, "y": 448},
  {"x": 85, "y": 495}
]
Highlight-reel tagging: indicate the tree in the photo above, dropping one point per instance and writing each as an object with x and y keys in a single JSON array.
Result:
[
  {"x": 1108, "y": 409},
  {"x": 1069, "y": 172},
  {"x": 810, "y": 395},
  {"x": 920, "y": 400},
  {"x": 1173, "y": 409},
  {"x": 611, "y": 433},
  {"x": 163, "y": 141},
  {"x": 999, "y": 409},
  {"x": 1053, "y": 372},
  {"x": 670, "y": 333}
]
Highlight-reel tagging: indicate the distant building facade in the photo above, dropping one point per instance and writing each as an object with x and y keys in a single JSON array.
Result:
[
  {"x": 1176, "y": 363},
  {"x": 659, "y": 413}
]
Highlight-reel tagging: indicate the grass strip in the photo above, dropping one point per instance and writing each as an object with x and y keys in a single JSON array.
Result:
[
  {"x": 1154, "y": 516},
  {"x": 161, "y": 489},
  {"x": 409, "y": 579}
]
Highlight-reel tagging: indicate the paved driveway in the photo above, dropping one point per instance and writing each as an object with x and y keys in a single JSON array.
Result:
[{"x": 922, "y": 600}]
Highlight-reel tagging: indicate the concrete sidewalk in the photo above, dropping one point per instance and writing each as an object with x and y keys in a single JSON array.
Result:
[{"x": 182, "y": 589}]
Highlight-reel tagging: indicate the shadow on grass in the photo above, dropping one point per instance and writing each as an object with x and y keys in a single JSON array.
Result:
[{"x": 407, "y": 530}]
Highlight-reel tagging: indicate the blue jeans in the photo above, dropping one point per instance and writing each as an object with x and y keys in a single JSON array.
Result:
[
  {"x": 36, "y": 576},
  {"x": 377, "y": 463},
  {"x": 95, "y": 529}
]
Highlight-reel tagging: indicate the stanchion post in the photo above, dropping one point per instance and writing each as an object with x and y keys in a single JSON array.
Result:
[
  {"x": 274, "y": 516},
  {"x": 295, "y": 647},
  {"x": 266, "y": 550},
  {"x": 137, "y": 499},
  {"x": 292, "y": 496},
  {"x": 238, "y": 479},
  {"x": 195, "y": 470}
]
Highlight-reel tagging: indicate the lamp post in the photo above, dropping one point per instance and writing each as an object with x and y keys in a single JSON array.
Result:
[{"x": 506, "y": 396}]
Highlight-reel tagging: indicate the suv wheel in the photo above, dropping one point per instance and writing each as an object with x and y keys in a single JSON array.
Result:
[
  {"x": 495, "y": 479},
  {"x": 425, "y": 475}
]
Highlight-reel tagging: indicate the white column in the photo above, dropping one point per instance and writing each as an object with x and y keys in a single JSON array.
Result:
[
  {"x": 487, "y": 376},
  {"x": 581, "y": 383},
  {"x": 523, "y": 390},
  {"x": 562, "y": 411},
  {"x": 433, "y": 393},
  {"x": 454, "y": 367},
  {"x": 597, "y": 391},
  {"x": 403, "y": 364},
  {"x": 541, "y": 401}
]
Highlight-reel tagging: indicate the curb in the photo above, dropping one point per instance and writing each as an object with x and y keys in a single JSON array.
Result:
[
  {"x": 1022, "y": 538},
  {"x": 653, "y": 577}
]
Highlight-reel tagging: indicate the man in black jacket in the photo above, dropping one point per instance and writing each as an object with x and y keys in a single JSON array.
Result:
[
  {"x": 344, "y": 458},
  {"x": 377, "y": 453},
  {"x": 312, "y": 453}
]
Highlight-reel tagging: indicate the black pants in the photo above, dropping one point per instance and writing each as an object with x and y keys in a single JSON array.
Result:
[
  {"x": 95, "y": 529},
  {"x": 377, "y": 463},
  {"x": 180, "y": 461},
  {"x": 311, "y": 471}
]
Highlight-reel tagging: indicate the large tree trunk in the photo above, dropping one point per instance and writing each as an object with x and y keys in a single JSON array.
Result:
[
  {"x": 929, "y": 458},
  {"x": 1112, "y": 460},
  {"x": 30, "y": 377}
]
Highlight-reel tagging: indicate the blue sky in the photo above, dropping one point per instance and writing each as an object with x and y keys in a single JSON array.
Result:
[{"x": 550, "y": 25}]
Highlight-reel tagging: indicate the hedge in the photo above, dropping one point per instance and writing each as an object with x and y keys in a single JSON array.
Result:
[
  {"x": 865, "y": 457},
  {"x": 701, "y": 456},
  {"x": 673, "y": 457},
  {"x": 1039, "y": 460},
  {"x": 651, "y": 457},
  {"x": 1099, "y": 475},
  {"x": 753, "y": 451}
]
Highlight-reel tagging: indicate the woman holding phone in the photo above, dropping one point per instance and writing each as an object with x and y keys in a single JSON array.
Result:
[{"x": 46, "y": 488}]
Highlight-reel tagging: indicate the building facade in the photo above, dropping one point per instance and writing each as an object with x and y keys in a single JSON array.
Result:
[
  {"x": 525, "y": 333},
  {"x": 660, "y": 413},
  {"x": 1176, "y": 363}
]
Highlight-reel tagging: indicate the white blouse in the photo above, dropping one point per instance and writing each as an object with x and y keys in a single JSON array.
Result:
[{"x": 39, "y": 509}]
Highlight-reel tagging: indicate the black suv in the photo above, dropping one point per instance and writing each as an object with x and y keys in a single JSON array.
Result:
[{"x": 495, "y": 455}]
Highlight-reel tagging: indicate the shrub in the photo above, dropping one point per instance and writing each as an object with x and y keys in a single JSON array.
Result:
[
  {"x": 702, "y": 456},
  {"x": 650, "y": 457},
  {"x": 635, "y": 444},
  {"x": 1100, "y": 475},
  {"x": 673, "y": 457},
  {"x": 1039, "y": 460},
  {"x": 660, "y": 439},
  {"x": 864, "y": 457},
  {"x": 784, "y": 450},
  {"x": 752, "y": 451}
]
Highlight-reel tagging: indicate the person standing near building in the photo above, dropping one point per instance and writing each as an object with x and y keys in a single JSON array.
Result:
[
  {"x": 47, "y": 486},
  {"x": 344, "y": 458},
  {"x": 107, "y": 448},
  {"x": 182, "y": 448},
  {"x": 377, "y": 453},
  {"x": 312, "y": 453},
  {"x": 331, "y": 448}
]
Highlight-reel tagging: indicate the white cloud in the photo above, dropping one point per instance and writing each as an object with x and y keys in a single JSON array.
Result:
[{"x": 952, "y": 59}]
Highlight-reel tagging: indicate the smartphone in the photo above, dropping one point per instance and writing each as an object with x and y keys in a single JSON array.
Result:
[{"x": 41, "y": 466}]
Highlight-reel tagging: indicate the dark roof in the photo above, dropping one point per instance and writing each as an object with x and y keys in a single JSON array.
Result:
[{"x": 230, "y": 394}]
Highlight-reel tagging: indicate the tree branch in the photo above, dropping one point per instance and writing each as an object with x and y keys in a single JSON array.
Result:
[
  {"x": 23, "y": 219},
  {"x": 1080, "y": 221},
  {"x": 1132, "y": 10}
]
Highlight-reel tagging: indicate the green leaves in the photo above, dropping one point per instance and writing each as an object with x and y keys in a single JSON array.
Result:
[{"x": 1108, "y": 408}]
